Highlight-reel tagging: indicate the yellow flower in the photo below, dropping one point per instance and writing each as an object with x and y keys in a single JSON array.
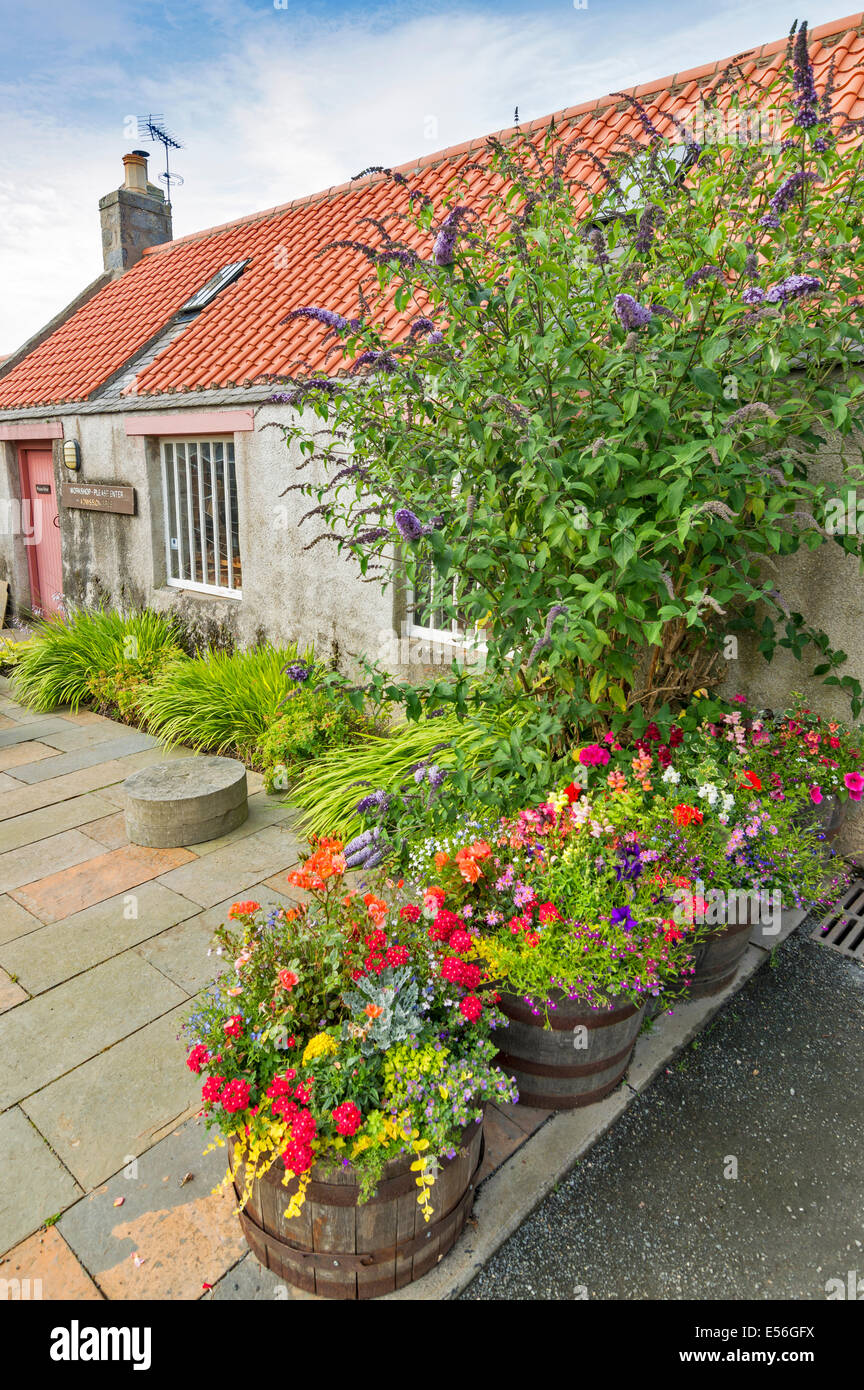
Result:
[{"x": 320, "y": 1046}]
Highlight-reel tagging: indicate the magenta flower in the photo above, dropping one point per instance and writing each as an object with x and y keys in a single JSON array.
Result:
[
  {"x": 815, "y": 794},
  {"x": 595, "y": 756},
  {"x": 854, "y": 785}
]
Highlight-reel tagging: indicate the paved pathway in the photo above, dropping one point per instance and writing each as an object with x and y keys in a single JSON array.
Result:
[{"x": 103, "y": 945}]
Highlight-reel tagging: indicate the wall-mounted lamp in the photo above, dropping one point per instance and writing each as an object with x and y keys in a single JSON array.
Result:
[{"x": 72, "y": 455}]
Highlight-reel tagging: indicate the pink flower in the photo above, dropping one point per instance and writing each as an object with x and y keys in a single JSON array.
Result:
[
  {"x": 854, "y": 784},
  {"x": 815, "y": 793},
  {"x": 593, "y": 756}
]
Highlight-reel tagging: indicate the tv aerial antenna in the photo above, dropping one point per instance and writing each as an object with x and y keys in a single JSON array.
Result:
[{"x": 154, "y": 127}]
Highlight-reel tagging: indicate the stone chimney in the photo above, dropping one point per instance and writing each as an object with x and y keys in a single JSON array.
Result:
[{"x": 133, "y": 217}]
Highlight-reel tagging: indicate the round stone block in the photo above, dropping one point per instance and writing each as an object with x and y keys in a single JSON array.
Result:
[{"x": 185, "y": 801}]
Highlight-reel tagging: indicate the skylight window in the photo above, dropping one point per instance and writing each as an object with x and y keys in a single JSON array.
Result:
[
  {"x": 634, "y": 180},
  {"x": 214, "y": 286}
]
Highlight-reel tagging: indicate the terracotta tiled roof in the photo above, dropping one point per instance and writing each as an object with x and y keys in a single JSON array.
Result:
[{"x": 239, "y": 338}]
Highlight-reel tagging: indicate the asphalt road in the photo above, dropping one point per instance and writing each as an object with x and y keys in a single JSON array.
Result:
[{"x": 773, "y": 1089}]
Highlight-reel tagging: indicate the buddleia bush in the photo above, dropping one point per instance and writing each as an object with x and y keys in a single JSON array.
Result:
[{"x": 598, "y": 420}]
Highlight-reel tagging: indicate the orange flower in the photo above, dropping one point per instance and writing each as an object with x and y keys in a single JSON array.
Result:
[
  {"x": 243, "y": 909},
  {"x": 376, "y": 908},
  {"x": 441, "y": 859},
  {"x": 288, "y": 979},
  {"x": 373, "y": 1011}
]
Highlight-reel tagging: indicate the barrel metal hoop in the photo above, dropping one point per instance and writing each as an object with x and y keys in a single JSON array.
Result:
[
  {"x": 530, "y": 1068},
  {"x": 519, "y": 1014},
  {"x": 347, "y": 1259}
]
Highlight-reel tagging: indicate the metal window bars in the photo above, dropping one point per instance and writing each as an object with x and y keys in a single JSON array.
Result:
[{"x": 199, "y": 493}]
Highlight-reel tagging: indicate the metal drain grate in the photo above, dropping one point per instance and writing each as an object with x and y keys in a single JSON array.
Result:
[{"x": 843, "y": 927}]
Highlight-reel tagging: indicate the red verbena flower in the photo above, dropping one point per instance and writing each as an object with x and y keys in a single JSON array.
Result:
[
  {"x": 233, "y": 1026},
  {"x": 410, "y": 912},
  {"x": 197, "y": 1058},
  {"x": 471, "y": 1008},
  {"x": 235, "y": 1096},
  {"x": 347, "y": 1118},
  {"x": 298, "y": 1157}
]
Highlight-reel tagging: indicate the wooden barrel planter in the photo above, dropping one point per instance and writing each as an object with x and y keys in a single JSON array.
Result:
[
  {"x": 551, "y": 1072},
  {"x": 339, "y": 1249},
  {"x": 829, "y": 816},
  {"x": 718, "y": 956}
]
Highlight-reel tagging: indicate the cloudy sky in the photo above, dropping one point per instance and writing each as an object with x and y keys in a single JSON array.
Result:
[{"x": 277, "y": 98}]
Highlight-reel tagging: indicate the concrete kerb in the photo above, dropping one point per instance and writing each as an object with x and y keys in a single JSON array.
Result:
[{"x": 514, "y": 1190}]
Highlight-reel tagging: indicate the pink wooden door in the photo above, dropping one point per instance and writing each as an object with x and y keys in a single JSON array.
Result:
[{"x": 43, "y": 546}]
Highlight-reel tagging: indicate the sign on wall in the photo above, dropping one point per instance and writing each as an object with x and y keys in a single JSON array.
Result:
[{"x": 99, "y": 497}]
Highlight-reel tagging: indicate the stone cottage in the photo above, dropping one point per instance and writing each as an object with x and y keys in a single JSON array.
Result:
[{"x": 140, "y": 455}]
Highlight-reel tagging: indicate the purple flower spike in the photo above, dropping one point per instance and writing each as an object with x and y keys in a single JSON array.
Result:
[
  {"x": 753, "y": 295},
  {"x": 408, "y": 525},
  {"x": 631, "y": 314},
  {"x": 793, "y": 287},
  {"x": 325, "y": 316},
  {"x": 444, "y": 248},
  {"x": 298, "y": 671}
]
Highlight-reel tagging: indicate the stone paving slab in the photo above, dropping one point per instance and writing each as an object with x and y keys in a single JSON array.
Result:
[
  {"x": 109, "y": 830},
  {"x": 7, "y": 783},
  {"x": 57, "y": 852},
  {"x": 184, "y": 1236},
  {"x": 54, "y": 1032},
  {"x": 35, "y": 1184},
  {"x": 112, "y": 1109},
  {"x": 101, "y": 752},
  {"x": 89, "y": 779},
  {"x": 21, "y": 753},
  {"x": 10, "y": 992},
  {"x": 51, "y": 820},
  {"x": 263, "y": 811},
  {"x": 44, "y": 1267},
  {"x": 64, "y": 949},
  {"x": 15, "y": 920},
  {"x": 181, "y": 953},
  {"x": 235, "y": 868},
  {"x": 104, "y": 876},
  {"x": 32, "y": 731},
  {"x": 76, "y": 737}
]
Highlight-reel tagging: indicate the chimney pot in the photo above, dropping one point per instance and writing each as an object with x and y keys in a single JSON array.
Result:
[{"x": 135, "y": 171}]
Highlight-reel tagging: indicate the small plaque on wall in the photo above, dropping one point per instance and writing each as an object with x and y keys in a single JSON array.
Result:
[{"x": 99, "y": 497}]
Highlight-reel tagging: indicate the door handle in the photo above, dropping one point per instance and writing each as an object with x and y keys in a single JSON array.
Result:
[{"x": 56, "y": 520}]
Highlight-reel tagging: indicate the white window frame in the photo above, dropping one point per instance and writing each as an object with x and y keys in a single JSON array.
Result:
[
  {"x": 463, "y": 641},
  {"x": 188, "y": 556}
]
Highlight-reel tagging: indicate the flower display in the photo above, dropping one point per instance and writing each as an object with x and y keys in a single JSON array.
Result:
[{"x": 360, "y": 1030}]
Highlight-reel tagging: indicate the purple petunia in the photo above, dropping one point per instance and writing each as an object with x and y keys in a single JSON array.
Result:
[{"x": 631, "y": 314}]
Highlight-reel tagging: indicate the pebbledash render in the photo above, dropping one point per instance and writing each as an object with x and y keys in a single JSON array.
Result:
[{"x": 142, "y": 460}]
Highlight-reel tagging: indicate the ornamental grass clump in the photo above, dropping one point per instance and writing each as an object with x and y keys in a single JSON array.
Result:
[
  {"x": 95, "y": 654},
  {"x": 222, "y": 701},
  {"x": 345, "y": 1032}
]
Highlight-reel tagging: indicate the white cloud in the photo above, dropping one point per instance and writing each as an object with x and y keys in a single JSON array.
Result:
[{"x": 272, "y": 105}]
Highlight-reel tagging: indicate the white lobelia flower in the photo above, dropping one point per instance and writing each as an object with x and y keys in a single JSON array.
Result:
[{"x": 670, "y": 775}]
